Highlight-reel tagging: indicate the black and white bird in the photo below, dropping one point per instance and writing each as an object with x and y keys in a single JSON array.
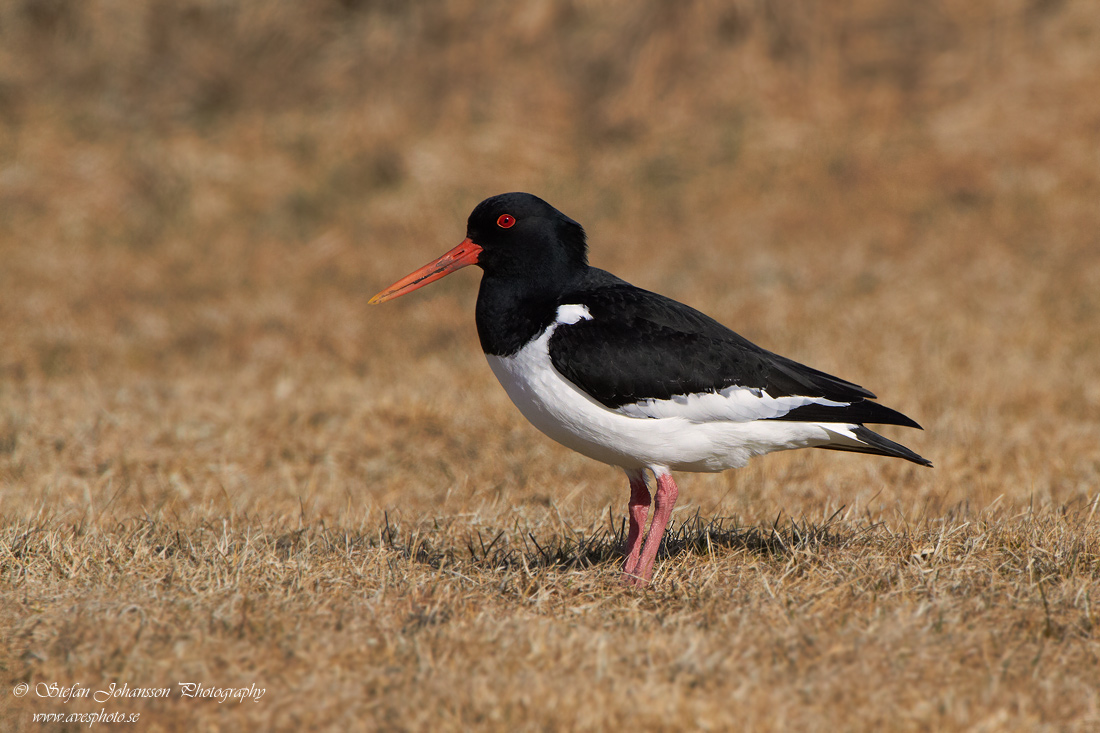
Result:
[{"x": 632, "y": 378}]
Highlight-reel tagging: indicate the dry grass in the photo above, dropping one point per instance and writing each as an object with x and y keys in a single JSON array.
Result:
[
  {"x": 216, "y": 464},
  {"x": 988, "y": 624}
]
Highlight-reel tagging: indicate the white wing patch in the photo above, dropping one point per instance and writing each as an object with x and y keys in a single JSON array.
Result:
[
  {"x": 570, "y": 314},
  {"x": 736, "y": 404}
]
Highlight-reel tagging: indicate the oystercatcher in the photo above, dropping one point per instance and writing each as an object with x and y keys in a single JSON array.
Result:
[{"x": 632, "y": 378}]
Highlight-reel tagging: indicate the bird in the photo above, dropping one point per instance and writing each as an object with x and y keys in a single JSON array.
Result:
[{"x": 634, "y": 379}]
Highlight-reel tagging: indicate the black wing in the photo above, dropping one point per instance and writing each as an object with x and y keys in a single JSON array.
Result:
[{"x": 640, "y": 345}]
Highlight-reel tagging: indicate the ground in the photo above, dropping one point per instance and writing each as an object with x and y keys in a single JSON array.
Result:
[{"x": 219, "y": 465}]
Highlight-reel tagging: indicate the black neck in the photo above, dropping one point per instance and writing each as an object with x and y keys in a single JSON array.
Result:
[{"x": 512, "y": 311}]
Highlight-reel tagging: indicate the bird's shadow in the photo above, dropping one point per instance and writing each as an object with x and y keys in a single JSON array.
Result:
[{"x": 504, "y": 551}]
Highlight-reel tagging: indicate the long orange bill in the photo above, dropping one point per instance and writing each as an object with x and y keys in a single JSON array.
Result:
[{"x": 462, "y": 255}]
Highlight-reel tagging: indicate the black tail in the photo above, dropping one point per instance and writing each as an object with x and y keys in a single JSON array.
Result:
[{"x": 875, "y": 444}]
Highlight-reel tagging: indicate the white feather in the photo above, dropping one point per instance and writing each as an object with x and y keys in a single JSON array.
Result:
[
  {"x": 569, "y": 314},
  {"x": 741, "y": 404}
]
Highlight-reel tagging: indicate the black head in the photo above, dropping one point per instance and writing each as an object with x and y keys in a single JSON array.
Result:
[
  {"x": 527, "y": 248},
  {"x": 522, "y": 236},
  {"x": 531, "y": 253}
]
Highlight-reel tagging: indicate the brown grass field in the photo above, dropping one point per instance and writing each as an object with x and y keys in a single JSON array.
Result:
[{"x": 219, "y": 466}]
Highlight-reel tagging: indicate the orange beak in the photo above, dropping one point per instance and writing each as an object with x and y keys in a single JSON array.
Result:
[{"x": 464, "y": 254}]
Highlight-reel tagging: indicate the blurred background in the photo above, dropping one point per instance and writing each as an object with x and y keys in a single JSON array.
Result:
[{"x": 198, "y": 198}]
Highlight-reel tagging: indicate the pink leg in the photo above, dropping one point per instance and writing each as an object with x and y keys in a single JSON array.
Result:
[
  {"x": 639, "y": 512},
  {"x": 664, "y": 501}
]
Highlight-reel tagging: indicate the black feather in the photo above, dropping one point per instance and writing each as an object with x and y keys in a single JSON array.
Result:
[
  {"x": 640, "y": 345},
  {"x": 877, "y": 445}
]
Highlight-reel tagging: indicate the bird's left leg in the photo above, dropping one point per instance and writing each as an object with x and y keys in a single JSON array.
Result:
[{"x": 639, "y": 512}]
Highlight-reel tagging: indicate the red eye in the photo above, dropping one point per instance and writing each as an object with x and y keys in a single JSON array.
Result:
[{"x": 505, "y": 221}]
